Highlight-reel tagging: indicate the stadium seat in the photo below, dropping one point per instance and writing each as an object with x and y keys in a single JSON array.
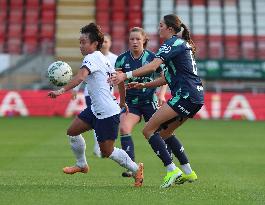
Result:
[
  {"x": 31, "y": 31},
  {"x": 102, "y": 5},
  {"x": 48, "y": 16},
  {"x": 2, "y": 30},
  {"x": 31, "y": 16},
  {"x": 3, "y": 4},
  {"x": 201, "y": 46},
  {"x": 102, "y": 17},
  {"x": 231, "y": 44},
  {"x": 47, "y": 31},
  {"x": 14, "y": 45},
  {"x": 3, "y": 14},
  {"x": 215, "y": 47},
  {"x": 135, "y": 19},
  {"x": 49, "y": 5},
  {"x": 15, "y": 30},
  {"x": 16, "y": 4},
  {"x": 16, "y": 16},
  {"x": 30, "y": 45},
  {"x": 32, "y": 4},
  {"x": 2, "y": 44},
  {"x": 135, "y": 5},
  {"x": 118, "y": 5},
  {"x": 248, "y": 47},
  {"x": 118, "y": 17},
  {"x": 261, "y": 47}
]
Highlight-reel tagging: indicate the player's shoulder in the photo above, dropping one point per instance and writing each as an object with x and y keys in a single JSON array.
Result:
[
  {"x": 150, "y": 53},
  {"x": 124, "y": 54}
]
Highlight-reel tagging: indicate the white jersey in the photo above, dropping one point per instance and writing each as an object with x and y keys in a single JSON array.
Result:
[
  {"x": 112, "y": 58},
  {"x": 103, "y": 102}
]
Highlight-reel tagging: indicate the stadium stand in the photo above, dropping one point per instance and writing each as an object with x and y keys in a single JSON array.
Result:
[{"x": 224, "y": 30}]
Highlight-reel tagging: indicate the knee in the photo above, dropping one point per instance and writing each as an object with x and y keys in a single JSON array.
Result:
[
  {"x": 71, "y": 132},
  {"x": 124, "y": 129}
]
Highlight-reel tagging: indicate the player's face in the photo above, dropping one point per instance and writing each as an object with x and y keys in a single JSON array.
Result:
[
  {"x": 86, "y": 46},
  {"x": 164, "y": 31},
  {"x": 136, "y": 41},
  {"x": 106, "y": 43}
]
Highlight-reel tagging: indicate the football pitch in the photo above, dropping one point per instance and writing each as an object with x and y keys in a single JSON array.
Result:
[{"x": 228, "y": 157}]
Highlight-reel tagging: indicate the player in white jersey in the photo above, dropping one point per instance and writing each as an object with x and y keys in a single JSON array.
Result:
[
  {"x": 103, "y": 114},
  {"x": 112, "y": 58}
]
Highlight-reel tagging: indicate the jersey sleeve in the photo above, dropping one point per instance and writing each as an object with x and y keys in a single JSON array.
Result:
[
  {"x": 89, "y": 62},
  {"x": 119, "y": 63},
  {"x": 170, "y": 49}
]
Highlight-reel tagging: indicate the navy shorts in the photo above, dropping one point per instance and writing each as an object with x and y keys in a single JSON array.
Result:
[
  {"x": 106, "y": 129},
  {"x": 183, "y": 106},
  {"x": 147, "y": 110},
  {"x": 88, "y": 100}
]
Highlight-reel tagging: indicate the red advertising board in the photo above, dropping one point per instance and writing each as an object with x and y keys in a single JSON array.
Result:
[{"x": 217, "y": 105}]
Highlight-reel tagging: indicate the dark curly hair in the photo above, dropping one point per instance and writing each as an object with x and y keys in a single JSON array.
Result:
[{"x": 94, "y": 33}]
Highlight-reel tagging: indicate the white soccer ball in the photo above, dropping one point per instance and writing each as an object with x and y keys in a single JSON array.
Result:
[{"x": 59, "y": 73}]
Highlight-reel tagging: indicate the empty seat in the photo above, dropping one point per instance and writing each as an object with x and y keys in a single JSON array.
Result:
[
  {"x": 261, "y": 47},
  {"x": 15, "y": 30},
  {"x": 14, "y": 45},
  {"x": 16, "y": 16},
  {"x": 102, "y": 5},
  {"x": 135, "y": 5},
  {"x": 201, "y": 46},
  {"x": 118, "y": 5},
  {"x": 231, "y": 47},
  {"x": 30, "y": 45},
  {"x": 248, "y": 47},
  {"x": 48, "y": 16},
  {"x": 49, "y": 5},
  {"x": 31, "y": 31},
  {"x": 31, "y": 16},
  {"x": 215, "y": 46},
  {"x": 32, "y": 4},
  {"x": 118, "y": 17},
  {"x": 135, "y": 19},
  {"x": 16, "y": 4},
  {"x": 47, "y": 31}
]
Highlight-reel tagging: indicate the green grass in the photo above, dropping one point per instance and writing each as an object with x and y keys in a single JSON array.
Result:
[{"x": 228, "y": 157}]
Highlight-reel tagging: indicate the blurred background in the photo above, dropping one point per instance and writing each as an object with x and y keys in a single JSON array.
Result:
[{"x": 229, "y": 35}]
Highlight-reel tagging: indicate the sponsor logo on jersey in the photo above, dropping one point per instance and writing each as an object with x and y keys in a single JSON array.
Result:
[
  {"x": 127, "y": 65},
  {"x": 164, "y": 49}
]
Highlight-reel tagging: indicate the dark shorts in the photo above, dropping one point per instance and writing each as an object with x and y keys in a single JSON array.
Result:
[
  {"x": 184, "y": 107},
  {"x": 88, "y": 100},
  {"x": 106, "y": 129},
  {"x": 145, "y": 110}
]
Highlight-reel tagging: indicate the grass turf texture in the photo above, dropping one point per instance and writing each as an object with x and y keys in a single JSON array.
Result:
[{"x": 228, "y": 157}]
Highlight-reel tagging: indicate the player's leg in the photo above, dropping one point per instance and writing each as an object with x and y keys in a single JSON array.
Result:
[
  {"x": 158, "y": 145},
  {"x": 178, "y": 150},
  {"x": 78, "y": 146},
  {"x": 127, "y": 122},
  {"x": 106, "y": 139},
  {"x": 79, "y": 125},
  {"x": 187, "y": 109},
  {"x": 147, "y": 111}
]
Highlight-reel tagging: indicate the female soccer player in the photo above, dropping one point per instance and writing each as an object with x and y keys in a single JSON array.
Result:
[
  {"x": 105, "y": 50},
  {"x": 141, "y": 102},
  {"x": 103, "y": 115},
  {"x": 186, "y": 88}
]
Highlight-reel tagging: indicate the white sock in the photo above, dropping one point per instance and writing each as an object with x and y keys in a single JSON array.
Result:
[
  {"x": 78, "y": 146},
  {"x": 96, "y": 145},
  {"x": 171, "y": 167},
  {"x": 123, "y": 159},
  {"x": 186, "y": 168}
]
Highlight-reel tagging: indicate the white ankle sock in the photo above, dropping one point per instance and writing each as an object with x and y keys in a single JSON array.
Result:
[
  {"x": 78, "y": 146},
  {"x": 123, "y": 159},
  {"x": 186, "y": 168},
  {"x": 171, "y": 167}
]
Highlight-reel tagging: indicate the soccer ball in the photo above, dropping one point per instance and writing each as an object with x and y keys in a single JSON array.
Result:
[{"x": 59, "y": 73}]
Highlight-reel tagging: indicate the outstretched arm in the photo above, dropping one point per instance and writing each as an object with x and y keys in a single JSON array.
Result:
[
  {"x": 148, "y": 68},
  {"x": 77, "y": 79}
]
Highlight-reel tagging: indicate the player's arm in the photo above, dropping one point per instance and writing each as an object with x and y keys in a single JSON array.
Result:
[
  {"x": 76, "y": 80},
  {"x": 147, "y": 68},
  {"x": 153, "y": 84},
  {"x": 122, "y": 92},
  {"x": 162, "y": 93}
]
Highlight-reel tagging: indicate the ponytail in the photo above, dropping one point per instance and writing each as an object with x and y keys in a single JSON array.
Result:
[{"x": 186, "y": 37}]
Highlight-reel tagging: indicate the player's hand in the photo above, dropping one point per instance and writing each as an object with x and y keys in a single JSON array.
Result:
[
  {"x": 161, "y": 100},
  {"x": 124, "y": 107},
  {"x": 55, "y": 93},
  {"x": 117, "y": 78},
  {"x": 74, "y": 94},
  {"x": 135, "y": 85}
]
